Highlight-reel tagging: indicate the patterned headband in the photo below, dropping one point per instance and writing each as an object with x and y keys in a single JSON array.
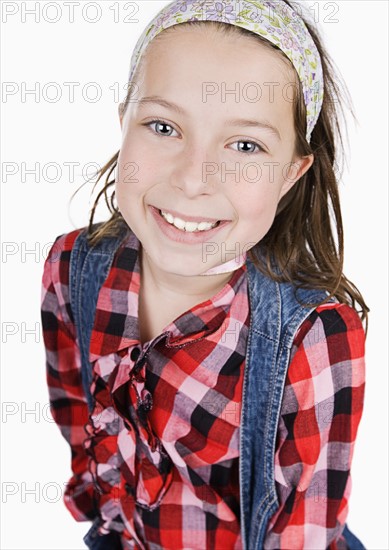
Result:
[{"x": 274, "y": 20}]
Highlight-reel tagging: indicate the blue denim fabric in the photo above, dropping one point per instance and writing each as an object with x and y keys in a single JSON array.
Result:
[
  {"x": 353, "y": 542},
  {"x": 275, "y": 316},
  {"x": 89, "y": 268}
]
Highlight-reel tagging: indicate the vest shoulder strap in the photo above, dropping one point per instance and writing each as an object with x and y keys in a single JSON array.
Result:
[{"x": 89, "y": 268}]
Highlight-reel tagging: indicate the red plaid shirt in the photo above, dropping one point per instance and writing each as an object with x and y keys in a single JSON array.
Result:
[{"x": 158, "y": 458}]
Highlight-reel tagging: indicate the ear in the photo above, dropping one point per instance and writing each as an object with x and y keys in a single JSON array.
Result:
[{"x": 294, "y": 171}]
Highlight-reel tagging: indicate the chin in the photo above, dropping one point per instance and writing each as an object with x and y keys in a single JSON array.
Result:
[{"x": 174, "y": 264}]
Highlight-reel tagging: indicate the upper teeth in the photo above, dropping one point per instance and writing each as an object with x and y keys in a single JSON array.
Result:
[{"x": 187, "y": 226}]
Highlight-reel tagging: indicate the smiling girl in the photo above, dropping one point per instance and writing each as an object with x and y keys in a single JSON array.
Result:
[{"x": 205, "y": 358}]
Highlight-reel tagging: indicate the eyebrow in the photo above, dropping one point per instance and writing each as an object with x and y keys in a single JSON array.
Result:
[{"x": 236, "y": 122}]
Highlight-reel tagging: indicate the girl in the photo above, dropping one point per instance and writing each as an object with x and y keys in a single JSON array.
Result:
[{"x": 205, "y": 360}]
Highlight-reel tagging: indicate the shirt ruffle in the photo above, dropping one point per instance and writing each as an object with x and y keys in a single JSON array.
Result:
[{"x": 127, "y": 460}]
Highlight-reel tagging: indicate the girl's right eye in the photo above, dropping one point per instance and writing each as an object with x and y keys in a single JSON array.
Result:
[{"x": 159, "y": 124}]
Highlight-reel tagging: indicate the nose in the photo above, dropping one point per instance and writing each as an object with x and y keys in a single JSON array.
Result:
[{"x": 195, "y": 171}]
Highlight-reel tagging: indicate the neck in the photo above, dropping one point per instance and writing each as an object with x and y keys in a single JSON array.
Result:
[{"x": 175, "y": 287}]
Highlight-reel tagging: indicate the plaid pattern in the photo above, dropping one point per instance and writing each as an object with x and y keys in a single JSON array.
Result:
[
  {"x": 320, "y": 414},
  {"x": 158, "y": 459}
]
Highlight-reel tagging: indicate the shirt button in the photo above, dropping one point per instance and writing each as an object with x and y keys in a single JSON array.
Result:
[{"x": 135, "y": 354}]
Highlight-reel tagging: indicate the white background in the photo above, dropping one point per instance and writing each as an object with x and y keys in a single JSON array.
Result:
[{"x": 35, "y": 457}]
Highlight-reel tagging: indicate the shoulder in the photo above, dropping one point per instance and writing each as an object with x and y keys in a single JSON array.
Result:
[
  {"x": 327, "y": 357},
  {"x": 58, "y": 258},
  {"x": 63, "y": 244},
  {"x": 333, "y": 324},
  {"x": 56, "y": 272},
  {"x": 55, "y": 277}
]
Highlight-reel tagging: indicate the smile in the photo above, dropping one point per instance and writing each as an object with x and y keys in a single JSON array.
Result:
[
  {"x": 189, "y": 226},
  {"x": 186, "y": 232}
]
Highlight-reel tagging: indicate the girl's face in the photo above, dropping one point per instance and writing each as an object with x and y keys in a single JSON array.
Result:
[{"x": 201, "y": 159}]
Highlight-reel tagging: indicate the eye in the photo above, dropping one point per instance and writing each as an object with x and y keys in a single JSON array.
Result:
[
  {"x": 159, "y": 123},
  {"x": 253, "y": 144}
]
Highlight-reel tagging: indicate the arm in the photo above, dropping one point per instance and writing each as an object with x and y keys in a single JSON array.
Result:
[
  {"x": 320, "y": 414},
  {"x": 68, "y": 404}
]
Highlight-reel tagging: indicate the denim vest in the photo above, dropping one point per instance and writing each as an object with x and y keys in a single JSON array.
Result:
[{"x": 275, "y": 316}]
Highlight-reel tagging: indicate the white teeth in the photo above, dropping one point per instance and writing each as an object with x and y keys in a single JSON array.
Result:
[
  {"x": 191, "y": 227},
  {"x": 168, "y": 216}
]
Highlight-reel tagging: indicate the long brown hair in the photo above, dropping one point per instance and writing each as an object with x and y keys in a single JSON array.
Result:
[{"x": 300, "y": 246}]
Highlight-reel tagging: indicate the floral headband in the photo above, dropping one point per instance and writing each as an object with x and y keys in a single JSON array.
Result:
[{"x": 274, "y": 20}]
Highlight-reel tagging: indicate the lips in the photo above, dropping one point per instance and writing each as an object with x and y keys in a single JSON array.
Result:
[{"x": 184, "y": 237}]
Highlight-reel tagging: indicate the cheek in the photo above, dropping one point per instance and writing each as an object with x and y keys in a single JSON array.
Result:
[
  {"x": 127, "y": 189},
  {"x": 256, "y": 211},
  {"x": 257, "y": 201},
  {"x": 138, "y": 169},
  {"x": 120, "y": 194},
  {"x": 128, "y": 180}
]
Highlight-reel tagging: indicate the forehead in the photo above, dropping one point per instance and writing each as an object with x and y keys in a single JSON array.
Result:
[
  {"x": 242, "y": 72},
  {"x": 203, "y": 46}
]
